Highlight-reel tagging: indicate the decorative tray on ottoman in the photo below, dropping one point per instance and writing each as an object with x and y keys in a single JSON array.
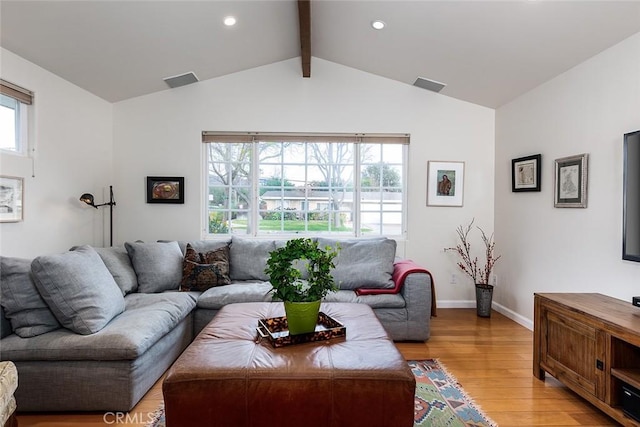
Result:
[{"x": 276, "y": 330}]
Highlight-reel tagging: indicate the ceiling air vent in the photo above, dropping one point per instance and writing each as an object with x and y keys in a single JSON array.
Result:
[
  {"x": 181, "y": 80},
  {"x": 431, "y": 85}
]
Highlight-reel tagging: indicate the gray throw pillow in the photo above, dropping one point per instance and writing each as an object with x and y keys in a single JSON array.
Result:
[
  {"x": 363, "y": 263},
  {"x": 79, "y": 288},
  {"x": 28, "y": 313},
  {"x": 158, "y": 265},
  {"x": 119, "y": 265},
  {"x": 249, "y": 258}
]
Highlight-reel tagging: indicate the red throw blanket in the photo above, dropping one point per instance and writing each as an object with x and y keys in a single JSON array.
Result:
[{"x": 400, "y": 272}]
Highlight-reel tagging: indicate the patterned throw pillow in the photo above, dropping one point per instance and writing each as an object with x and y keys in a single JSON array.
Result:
[{"x": 201, "y": 271}]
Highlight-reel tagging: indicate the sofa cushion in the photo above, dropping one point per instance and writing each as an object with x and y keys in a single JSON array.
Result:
[
  {"x": 363, "y": 263},
  {"x": 146, "y": 319},
  {"x": 201, "y": 271},
  {"x": 249, "y": 258},
  {"x": 79, "y": 289},
  {"x": 251, "y": 291},
  {"x": 28, "y": 313},
  {"x": 373, "y": 301},
  {"x": 158, "y": 266},
  {"x": 119, "y": 264}
]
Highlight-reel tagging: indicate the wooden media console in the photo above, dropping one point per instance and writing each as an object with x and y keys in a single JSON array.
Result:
[{"x": 591, "y": 343}]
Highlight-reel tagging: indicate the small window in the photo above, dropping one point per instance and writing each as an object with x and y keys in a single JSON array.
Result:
[{"x": 14, "y": 101}]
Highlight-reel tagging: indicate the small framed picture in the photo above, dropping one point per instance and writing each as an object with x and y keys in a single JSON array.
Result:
[
  {"x": 445, "y": 183},
  {"x": 570, "y": 182},
  {"x": 525, "y": 173},
  {"x": 11, "y": 198},
  {"x": 165, "y": 189}
]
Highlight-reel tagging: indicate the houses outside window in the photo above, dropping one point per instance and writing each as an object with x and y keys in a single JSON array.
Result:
[
  {"x": 13, "y": 117},
  {"x": 344, "y": 184}
]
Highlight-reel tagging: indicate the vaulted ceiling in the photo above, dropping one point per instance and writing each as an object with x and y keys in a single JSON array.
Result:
[{"x": 487, "y": 52}]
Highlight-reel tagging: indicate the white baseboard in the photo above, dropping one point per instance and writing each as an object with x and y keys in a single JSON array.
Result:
[
  {"x": 519, "y": 319},
  {"x": 456, "y": 304}
]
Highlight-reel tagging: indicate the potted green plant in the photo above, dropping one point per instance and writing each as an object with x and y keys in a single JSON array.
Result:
[
  {"x": 470, "y": 266},
  {"x": 301, "y": 297}
]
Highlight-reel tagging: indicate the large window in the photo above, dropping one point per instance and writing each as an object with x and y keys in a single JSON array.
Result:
[
  {"x": 352, "y": 185},
  {"x": 13, "y": 117}
]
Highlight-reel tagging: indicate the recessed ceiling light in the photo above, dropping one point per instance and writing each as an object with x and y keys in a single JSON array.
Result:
[
  {"x": 378, "y": 25},
  {"x": 229, "y": 21}
]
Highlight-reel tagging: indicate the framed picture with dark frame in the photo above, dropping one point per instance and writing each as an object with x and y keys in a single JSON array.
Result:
[
  {"x": 526, "y": 173},
  {"x": 445, "y": 183},
  {"x": 570, "y": 182},
  {"x": 165, "y": 189},
  {"x": 11, "y": 198}
]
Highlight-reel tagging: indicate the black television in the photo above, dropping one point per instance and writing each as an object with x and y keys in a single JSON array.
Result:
[{"x": 631, "y": 198}]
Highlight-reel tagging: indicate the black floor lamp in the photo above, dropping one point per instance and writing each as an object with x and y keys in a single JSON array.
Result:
[{"x": 88, "y": 199}]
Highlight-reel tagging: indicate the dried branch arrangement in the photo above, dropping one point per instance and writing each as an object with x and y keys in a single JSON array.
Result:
[{"x": 469, "y": 265}]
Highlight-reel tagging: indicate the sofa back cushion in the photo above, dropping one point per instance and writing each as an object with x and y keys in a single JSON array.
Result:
[
  {"x": 362, "y": 263},
  {"x": 158, "y": 265},
  {"x": 249, "y": 258},
  {"x": 79, "y": 289},
  {"x": 21, "y": 302},
  {"x": 119, "y": 265}
]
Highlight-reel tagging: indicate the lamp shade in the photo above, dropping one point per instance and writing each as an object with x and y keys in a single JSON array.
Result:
[{"x": 87, "y": 198}]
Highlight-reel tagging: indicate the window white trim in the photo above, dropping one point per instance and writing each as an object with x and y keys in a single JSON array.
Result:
[
  {"x": 228, "y": 212},
  {"x": 20, "y": 125}
]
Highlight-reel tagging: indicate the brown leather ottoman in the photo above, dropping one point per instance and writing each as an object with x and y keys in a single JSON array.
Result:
[{"x": 225, "y": 378}]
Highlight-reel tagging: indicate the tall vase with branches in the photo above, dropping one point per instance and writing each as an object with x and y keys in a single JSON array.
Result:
[{"x": 470, "y": 266}]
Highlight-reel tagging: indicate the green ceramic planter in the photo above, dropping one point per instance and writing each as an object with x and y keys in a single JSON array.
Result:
[{"x": 302, "y": 316}]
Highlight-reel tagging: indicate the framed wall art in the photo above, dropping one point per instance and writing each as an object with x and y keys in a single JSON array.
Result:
[
  {"x": 11, "y": 198},
  {"x": 525, "y": 173},
  {"x": 165, "y": 189},
  {"x": 570, "y": 182},
  {"x": 445, "y": 183}
]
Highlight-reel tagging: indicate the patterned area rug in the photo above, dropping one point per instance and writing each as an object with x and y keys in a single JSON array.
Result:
[{"x": 440, "y": 401}]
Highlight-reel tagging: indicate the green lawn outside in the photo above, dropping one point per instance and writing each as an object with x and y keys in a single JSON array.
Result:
[{"x": 275, "y": 225}]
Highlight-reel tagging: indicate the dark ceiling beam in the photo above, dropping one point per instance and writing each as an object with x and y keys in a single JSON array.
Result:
[{"x": 304, "y": 16}]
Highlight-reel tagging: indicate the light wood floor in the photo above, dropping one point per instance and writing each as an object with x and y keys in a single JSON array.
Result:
[{"x": 491, "y": 358}]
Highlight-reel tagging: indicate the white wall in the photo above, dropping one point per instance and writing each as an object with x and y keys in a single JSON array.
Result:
[
  {"x": 547, "y": 249},
  {"x": 72, "y": 135},
  {"x": 159, "y": 134}
]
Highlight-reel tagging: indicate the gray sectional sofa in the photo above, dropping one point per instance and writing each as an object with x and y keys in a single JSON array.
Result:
[{"x": 93, "y": 329}]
